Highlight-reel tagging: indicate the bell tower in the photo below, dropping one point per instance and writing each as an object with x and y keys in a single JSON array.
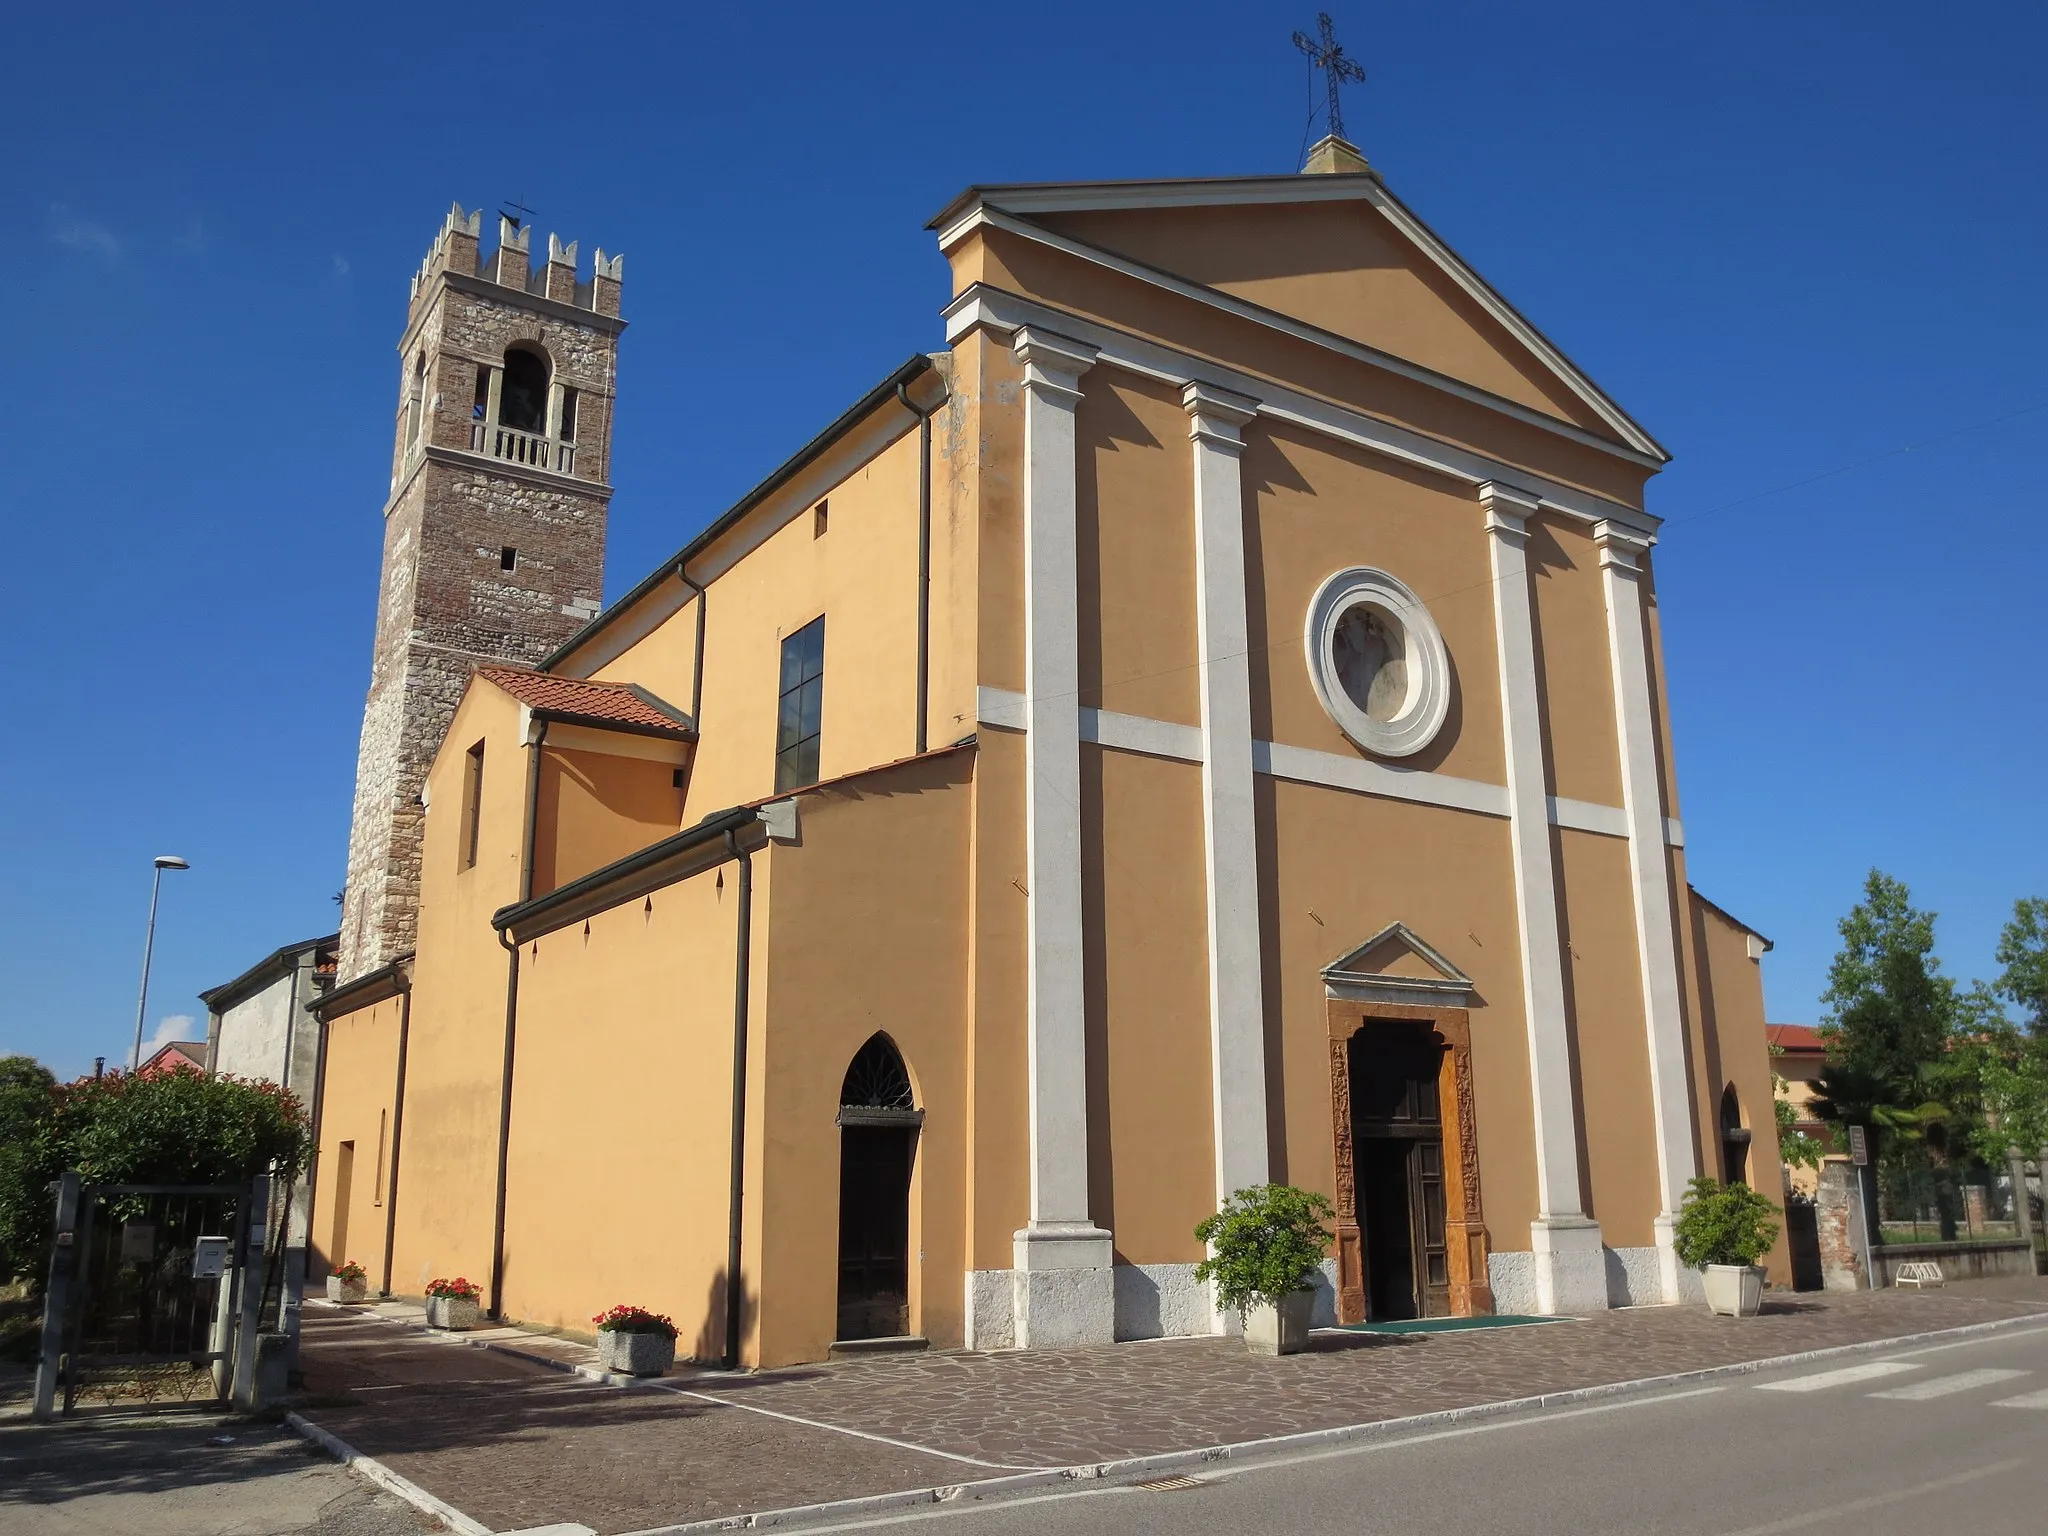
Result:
[{"x": 493, "y": 530}]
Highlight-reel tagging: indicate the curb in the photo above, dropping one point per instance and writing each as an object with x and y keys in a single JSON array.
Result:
[
  {"x": 800, "y": 1516},
  {"x": 387, "y": 1479}
]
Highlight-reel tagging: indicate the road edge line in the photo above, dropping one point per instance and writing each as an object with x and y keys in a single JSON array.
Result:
[
  {"x": 385, "y": 1478},
  {"x": 798, "y": 1516}
]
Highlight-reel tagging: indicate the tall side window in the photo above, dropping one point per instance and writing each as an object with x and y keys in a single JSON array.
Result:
[
  {"x": 801, "y": 707},
  {"x": 472, "y": 803},
  {"x": 416, "y": 402}
]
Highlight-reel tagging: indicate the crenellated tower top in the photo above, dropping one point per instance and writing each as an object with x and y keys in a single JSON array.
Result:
[{"x": 458, "y": 249}]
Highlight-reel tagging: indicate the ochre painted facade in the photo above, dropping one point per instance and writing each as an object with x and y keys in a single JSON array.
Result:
[{"x": 1067, "y": 792}]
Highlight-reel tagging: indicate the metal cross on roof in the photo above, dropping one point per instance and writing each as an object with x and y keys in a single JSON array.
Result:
[
  {"x": 1327, "y": 54},
  {"x": 516, "y": 210}
]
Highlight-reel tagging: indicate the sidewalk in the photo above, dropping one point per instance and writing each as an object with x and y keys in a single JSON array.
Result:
[{"x": 515, "y": 1444}]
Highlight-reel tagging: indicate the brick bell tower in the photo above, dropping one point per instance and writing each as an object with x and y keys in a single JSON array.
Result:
[{"x": 494, "y": 529}]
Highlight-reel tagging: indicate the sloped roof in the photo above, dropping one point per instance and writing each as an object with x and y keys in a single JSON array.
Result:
[
  {"x": 618, "y": 706},
  {"x": 175, "y": 1054},
  {"x": 1795, "y": 1037}
]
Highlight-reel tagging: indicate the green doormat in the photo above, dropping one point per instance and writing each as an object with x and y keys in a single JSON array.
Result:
[{"x": 1449, "y": 1324}]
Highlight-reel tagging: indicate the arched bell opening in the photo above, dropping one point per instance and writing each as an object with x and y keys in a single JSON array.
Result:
[
  {"x": 1734, "y": 1138},
  {"x": 878, "y": 1125}
]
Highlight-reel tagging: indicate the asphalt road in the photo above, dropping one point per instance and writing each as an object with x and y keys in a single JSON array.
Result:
[{"x": 1950, "y": 1440}]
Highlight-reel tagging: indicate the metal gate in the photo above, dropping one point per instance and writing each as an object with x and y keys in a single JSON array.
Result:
[{"x": 152, "y": 1296}]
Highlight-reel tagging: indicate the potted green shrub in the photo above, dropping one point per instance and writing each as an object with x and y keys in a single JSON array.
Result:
[
  {"x": 1722, "y": 1230},
  {"x": 348, "y": 1283},
  {"x": 454, "y": 1304},
  {"x": 1265, "y": 1247},
  {"x": 635, "y": 1341}
]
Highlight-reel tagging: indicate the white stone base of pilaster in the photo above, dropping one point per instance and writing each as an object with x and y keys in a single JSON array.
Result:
[
  {"x": 1679, "y": 1282},
  {"x": 991, "y": 1310},
  {"x": 1164, "y": 1301},
  {"x": 1635, "y": 1278},
  {"x": 1570, "y": 1264},
  {"x": 1063, "y": 1288},
  {"x": 1512, "y": 1277}
]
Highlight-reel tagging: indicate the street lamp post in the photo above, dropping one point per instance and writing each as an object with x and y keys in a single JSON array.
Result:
[{"x": 163, "y": 862}]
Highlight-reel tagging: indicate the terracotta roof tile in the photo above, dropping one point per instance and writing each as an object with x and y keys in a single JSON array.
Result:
[
  {"x": 1795, "y": 1037},
  {"x": 621, "y": 705}
]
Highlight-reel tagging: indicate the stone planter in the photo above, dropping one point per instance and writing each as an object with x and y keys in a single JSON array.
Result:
[
  {"x": 1281, "y": 1330},
  {"x": 1734, "y": 1290},
  {"x": 453, "y": 1313},
  {"x": 635, "y": 1354},
  {"x": 349, "y": 1293}
]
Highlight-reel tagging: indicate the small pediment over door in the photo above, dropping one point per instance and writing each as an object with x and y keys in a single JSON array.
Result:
[{"x": 1396, "y": 966}]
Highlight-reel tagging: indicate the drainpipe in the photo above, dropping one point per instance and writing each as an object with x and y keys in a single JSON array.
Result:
[
  {"x": 697, "y": 669},
  {"x": 924, "y": 555},
  {"x": 742, "y": 947},
  {"x": 537, "y": 733},
  {"x": 504, "y": 1124},
  {"x": 397, "y": 1126}
]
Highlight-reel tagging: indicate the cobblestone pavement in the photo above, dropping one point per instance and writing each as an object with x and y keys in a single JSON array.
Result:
[{"x": 514, "y": 1444}]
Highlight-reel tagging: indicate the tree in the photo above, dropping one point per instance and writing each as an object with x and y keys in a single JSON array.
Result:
[
  {"x": 1891, "y": 1017},
  {"x": 26, "y": 1090},
  {"x": 2023, "y": 951},
  {"x": 177, "y": 1127}
]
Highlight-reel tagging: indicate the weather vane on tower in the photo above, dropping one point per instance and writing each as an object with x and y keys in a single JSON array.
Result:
[{"x": 1327, "y": 54}]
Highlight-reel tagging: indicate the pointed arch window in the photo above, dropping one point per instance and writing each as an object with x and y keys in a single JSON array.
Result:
[
  {"x": 876, "y": 1089},
  {"x": 1734, "y": 1138}
]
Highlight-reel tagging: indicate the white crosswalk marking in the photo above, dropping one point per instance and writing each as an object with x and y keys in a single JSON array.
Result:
[
  {"x": 1847, "y": 1376},
  {"x": 1944, "y": 1386},
  {"x": 2024, "y": 1400}
]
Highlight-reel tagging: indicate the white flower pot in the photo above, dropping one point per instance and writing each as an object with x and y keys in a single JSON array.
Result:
[
  {"x": 1281, "y": 1330},
  {"x": 1734, "y": 1290},
  {"x": 348, "y": 1292},
  {"x": 453, "y": 1313},
  {"x": 635, "y": 1354}
]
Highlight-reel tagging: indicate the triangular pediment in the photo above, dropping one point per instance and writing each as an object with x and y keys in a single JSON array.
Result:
[
  {"x": 1338, "y": 253},
  {"x": 1396, "y": 960}
]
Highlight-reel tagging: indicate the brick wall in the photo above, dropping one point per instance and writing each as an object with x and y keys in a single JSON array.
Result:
[{"x": 445, "y": 602}]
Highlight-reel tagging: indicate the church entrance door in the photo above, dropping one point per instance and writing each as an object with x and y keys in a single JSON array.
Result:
[
  {"x": 878, "y": 1126},
  {"x": 1397, "y": 1134}
]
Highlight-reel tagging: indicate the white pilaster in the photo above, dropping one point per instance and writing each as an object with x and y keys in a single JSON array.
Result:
[
  {"x": 1237, "y": 1002},
  {"x": 1642, "y": 799},
  {"x": 1570, "y": 1266},
  {"x": 1062, "y": 1286}
]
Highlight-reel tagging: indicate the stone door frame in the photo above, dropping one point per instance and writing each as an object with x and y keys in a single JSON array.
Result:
[{"x": 1471, "y": 1294}]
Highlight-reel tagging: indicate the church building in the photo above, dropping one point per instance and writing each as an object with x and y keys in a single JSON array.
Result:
[{"x": 1204, "y": 726}]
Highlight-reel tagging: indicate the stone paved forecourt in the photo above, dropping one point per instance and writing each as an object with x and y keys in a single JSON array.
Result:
[{"x": 515, "y": 1444}]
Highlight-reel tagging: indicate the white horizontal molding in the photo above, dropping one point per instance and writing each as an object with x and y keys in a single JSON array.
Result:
[
  {"x": 1306, "y": 765},
  {"x": 1006, "y": 313},
  {"x": 1004, "y": 709},
  {"x": 1137, "y": 733},
  {"x": 1639, "y": 449}
]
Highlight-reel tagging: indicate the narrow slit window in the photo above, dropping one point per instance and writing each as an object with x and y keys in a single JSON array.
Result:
[
  {"x": 472, "y": 803},
  {"x": 508, "y": 559},
  {"x": 482, "y": 403},
  {"x": 820, "y": 515},
  {"x": 800, "y": 710},
  {"x": 377, "y": 1189}
]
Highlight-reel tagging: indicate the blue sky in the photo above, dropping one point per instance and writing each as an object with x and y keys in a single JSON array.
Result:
[{"x": 1802, "y": 244}]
